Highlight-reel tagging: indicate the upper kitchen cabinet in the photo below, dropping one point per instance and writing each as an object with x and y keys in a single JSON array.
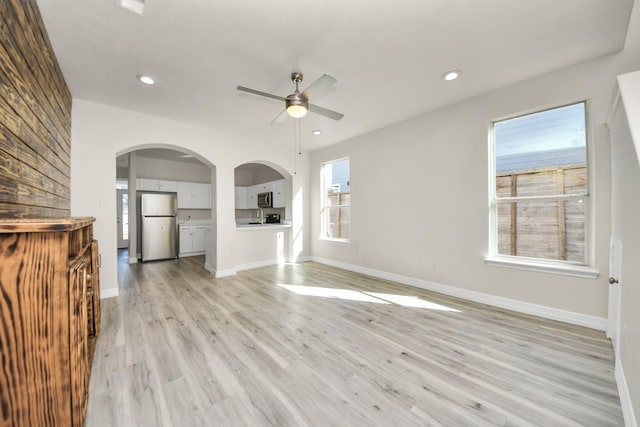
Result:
[
  {"x": 156, "y": 185},
  {"x": 279, "y": 193},
  {"x": 241, "y": 198},
  {"x": 194, "y": 195},
  {"x": 254, "y": 178},
  {"x": 247, "y": 197}
]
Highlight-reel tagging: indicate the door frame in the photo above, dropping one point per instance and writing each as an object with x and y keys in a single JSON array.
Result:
[
  {"x": 122, "y": 243},
  {"x": 615, "y": 273}
]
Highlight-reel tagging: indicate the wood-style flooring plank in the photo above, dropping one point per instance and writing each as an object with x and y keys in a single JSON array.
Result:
[{"x": 311, "y": 345}]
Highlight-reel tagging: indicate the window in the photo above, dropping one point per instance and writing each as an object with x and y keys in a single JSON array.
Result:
[
  {"x": 336, "y": 200},
  {"x": 540, "y": 187}
]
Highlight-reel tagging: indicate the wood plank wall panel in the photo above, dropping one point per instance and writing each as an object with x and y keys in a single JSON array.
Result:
[{"x": 35, "y": 118}]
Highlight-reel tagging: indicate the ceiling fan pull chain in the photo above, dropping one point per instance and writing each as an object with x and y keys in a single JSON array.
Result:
[
  {"x": 299, "y": 138},
  {"x": 295, "y": 157}
]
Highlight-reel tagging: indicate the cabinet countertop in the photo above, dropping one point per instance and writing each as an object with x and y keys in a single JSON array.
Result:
[{"x": 195, "y": 223}]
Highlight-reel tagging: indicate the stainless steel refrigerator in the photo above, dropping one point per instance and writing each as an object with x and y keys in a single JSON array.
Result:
[{"x": 159, "y": 229}]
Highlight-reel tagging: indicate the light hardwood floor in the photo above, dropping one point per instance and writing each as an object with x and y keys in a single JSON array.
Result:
[{"x": 311, "y": 345}]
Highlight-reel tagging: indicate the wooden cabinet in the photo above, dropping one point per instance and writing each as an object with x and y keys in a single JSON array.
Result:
[
  {"x": 145, "y": 184},
  {"x": 194, "y": 195},
  {"x": 50, "y": 316}
]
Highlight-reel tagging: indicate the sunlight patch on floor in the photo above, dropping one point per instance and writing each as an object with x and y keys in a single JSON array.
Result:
[
  {"x": 346, "y": 294},
  {"x": 374, "y": 297}
]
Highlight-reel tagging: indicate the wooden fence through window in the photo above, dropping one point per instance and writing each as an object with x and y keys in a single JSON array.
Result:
[
  {"x": 542, "y": 229},
  {"x": 339, "y": 212}
]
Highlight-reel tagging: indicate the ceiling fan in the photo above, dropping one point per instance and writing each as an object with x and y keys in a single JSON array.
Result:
[{"x": 297, "y": 104}]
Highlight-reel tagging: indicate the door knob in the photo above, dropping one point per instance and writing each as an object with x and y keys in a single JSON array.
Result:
[{"x": 612, "y": 280}]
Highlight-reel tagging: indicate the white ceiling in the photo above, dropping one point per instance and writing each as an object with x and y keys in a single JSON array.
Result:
[{"x": 388, "y": 56}]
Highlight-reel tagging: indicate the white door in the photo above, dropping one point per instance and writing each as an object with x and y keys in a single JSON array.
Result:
[
  {"x": 615, "y": 276},
  {"x": 123, "y": 218}
]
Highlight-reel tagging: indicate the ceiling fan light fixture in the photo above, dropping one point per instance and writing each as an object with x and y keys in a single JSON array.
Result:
[{"x": 297, "y": 106}]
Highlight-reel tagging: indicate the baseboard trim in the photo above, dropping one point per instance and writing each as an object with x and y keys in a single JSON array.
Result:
[
  {"x": 133, "y": 260},
  {"x": 257, "y": 264},
  {"x": 223, "y": 273},
  {"x": 506, "y": 303},
  {"x": 109, "y": 293},
  {"x": 209, "y": 268},
  {"x": 625, "y": 396}
]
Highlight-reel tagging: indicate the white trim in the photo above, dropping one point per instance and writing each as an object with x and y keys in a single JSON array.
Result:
[
  {"x": 223, "y": 273},
  {"x": 298, "y": 260},
  {"x": 133, "y": 260},
  {"x": 507, "y": 303},
  {"x": 209, "y": 268},
  {"x": 543, "y": 267},
  {"x": 257, "y": 264},
  {"x": 334, "y": 240},
  {"x": 188, "y": 254},
  {"x": 625, "y": 397},
  {"x": 109, "y": 293},
  {"x": 252, "y": 265},
  {"x": 613, "y": 105}
]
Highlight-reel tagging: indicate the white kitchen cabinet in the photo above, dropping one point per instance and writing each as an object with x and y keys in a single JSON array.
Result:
[
  {"x": 241, "y": 197},
  {"x": 279, "y": 193},
  {"x": 194, "y": 195},
  {"x": 193, "y": 239},
  {"x": 252, "y": 196},
  {"x": 145, "y": 184}
]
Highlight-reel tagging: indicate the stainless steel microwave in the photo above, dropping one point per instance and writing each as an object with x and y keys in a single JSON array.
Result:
[{"x": 265, "y": 200}]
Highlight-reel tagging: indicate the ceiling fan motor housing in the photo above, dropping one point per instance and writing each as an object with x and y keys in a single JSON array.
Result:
[{"x": 297, "y": 105}]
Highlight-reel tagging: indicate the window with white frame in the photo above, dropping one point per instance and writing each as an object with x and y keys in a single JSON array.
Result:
[
  {"x": 540, "y": 187},
  {"x": 335, "y": 200}
]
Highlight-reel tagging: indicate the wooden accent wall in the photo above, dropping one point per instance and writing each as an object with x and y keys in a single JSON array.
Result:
[{"x": 35, "y": 118}]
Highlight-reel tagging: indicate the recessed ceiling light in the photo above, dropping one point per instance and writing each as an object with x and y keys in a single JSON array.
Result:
[
  {"x": 451, "y": 75},
  {"x": 136, "y": 6},
  {"x": 316, "y": 132},
  {"x": 146, "y": 79}
]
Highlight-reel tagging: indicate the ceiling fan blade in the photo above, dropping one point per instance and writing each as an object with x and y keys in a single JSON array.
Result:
[
  {"x": 323, "y": 86},
  {"x": 257, "y": 92},
  {"x": 325, "y": 112},
  {"x": 280, "y": 118}
]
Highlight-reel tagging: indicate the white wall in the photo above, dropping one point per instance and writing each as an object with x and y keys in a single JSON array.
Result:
[
  {"x": 625, "y": 167},
  {"x": 99, "y": 133},
  {"x": 172, "y": 170},
  {"x": 419, "y": 193}
]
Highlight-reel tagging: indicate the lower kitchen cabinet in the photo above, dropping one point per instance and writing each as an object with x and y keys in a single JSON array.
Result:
[
  {"x": 193, "y": 239},
  {"x": 50, "y": 316}
]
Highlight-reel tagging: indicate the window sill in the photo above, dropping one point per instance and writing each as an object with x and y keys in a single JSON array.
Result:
[{"x": 544, "y": 267}]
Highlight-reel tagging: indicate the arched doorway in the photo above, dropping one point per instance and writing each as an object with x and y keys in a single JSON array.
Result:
[{"x": 189, "y": 175}]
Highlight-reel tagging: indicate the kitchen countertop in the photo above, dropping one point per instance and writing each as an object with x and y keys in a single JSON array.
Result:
[{"x": 195, "y": 222}]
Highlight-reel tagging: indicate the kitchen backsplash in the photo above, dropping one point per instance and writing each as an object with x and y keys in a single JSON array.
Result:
[{"x": 245, "y": 216}]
